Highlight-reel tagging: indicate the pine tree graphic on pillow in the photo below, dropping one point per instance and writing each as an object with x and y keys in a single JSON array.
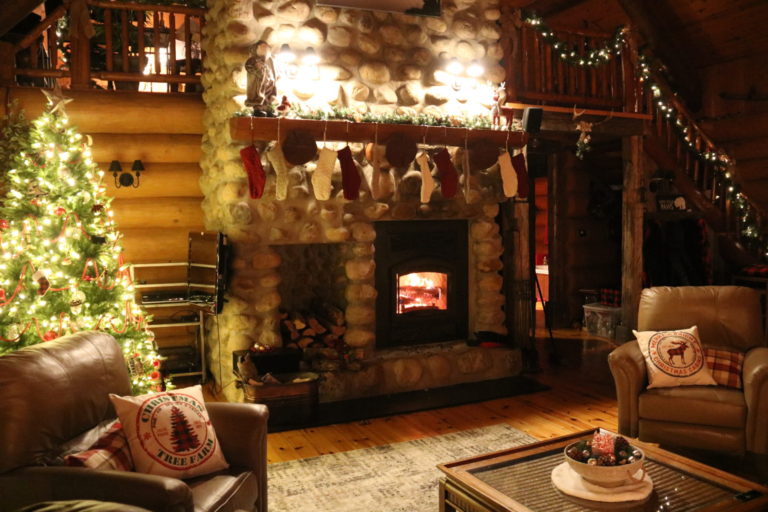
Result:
[{"x": 183, "y": 436}]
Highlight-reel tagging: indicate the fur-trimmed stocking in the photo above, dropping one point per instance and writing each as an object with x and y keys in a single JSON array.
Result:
[
  {"x": 255, "y": 171},
  {"x": 350, "y": 175},
  {"x": 321, "y": 178}
]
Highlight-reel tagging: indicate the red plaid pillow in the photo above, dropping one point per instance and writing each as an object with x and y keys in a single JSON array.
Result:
[
  {"x": 725, "y": 365},
  {"x": 111, "y": 451}
]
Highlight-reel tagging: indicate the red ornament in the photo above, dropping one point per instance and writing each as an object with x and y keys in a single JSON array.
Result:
[
  {"x": 50, "y": 335},
  {"x": 59, "y": 211},
  {"x": 2, "y": 295},
  {"x": 3, "y": 224},
  {"x": 35, "y": 202},
  {"x": 154, "y": 375},
  {"x": 155, "y": 363}
]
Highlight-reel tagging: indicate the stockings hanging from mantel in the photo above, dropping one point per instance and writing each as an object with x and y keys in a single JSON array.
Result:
[
  {"x": 350, "y": 175},
  {"x": 255, "y": 171},
  {"x": 449, "y": 178},
  {"x": 514, "y": 175},
  {"x": 321, "y": 178},
  {"x": 281, "y": 167},
  {"x": 427, "y": 183}
]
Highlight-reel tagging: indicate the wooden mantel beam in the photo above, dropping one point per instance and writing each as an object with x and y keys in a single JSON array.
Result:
[
  {"x": 247, "y": 129},
  {"x": 560, "y": 119}
]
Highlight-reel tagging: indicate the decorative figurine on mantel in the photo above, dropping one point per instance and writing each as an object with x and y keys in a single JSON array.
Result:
[
  {"x": 261, "y": 91},
  {"x": 499, "y": 99}
]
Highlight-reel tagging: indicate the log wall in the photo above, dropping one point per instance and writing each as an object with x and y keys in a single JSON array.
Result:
[{"x": 164, "y": 132}]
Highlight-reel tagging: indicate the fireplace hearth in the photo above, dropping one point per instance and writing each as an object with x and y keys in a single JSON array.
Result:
[{"x": 421, "y": 280}]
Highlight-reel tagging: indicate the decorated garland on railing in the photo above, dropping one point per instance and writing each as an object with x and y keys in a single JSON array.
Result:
[{"x": 719, "y": 159}]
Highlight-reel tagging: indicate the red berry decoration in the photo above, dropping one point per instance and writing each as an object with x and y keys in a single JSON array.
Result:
[
  {"x": 3, "y": 224},
  {"x": 59, "y": 211}
]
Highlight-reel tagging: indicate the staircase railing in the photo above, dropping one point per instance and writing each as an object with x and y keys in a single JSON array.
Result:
[
  {"x": 548, "y": 69},
  {"x": 133, "y": 43}
]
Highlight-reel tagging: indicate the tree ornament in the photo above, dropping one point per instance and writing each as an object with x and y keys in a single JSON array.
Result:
[
  {"x": 34, "y": 190},
  {"x": 50, "y": 335},
  {"x": 508, "y": 175},
  {"x": 257, "y": 178},
  {"x": 13, "y": 332},
  {"x": 2, "y": 295},
  {"x": 518, "y": 162},
  {"x": 280, "y": 165},
  {"x": 321, "y": 178},
  {"x": 299, "y": 147},
  {"x": 97, "y": 207},
  {"x": 42, "y": 280},
  {"x": 77, "y": 301},
  {"x": 427, "y": 182},
  {"x": 56, "y": 99},
  {"x": 3, "y": 224},
  {"x": 350, "y": 175},
  {"x": 449, "y": 178},
  {"x": 59, "y": 211},
  {"x": 136, "y": 365}
]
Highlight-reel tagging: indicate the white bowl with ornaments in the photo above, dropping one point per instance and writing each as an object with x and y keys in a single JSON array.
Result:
[{"x": 607, "y": 460}]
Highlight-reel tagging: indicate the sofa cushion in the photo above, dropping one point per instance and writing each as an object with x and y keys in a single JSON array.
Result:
[
  {"x": 170, "y": 433},
  {"x": 226, "y": 491},
  {"x": 699, "y": 405},
  {"x": 110, "y": 451},
  {"x": 674, "y": 358}
]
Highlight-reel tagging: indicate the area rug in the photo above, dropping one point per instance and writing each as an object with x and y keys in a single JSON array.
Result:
[{"x": 399, "y": 477}]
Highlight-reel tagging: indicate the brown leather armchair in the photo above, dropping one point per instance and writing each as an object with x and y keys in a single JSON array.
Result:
[
  {"x": 700, "y": 417},
  {"x": 58, "y": 390}
]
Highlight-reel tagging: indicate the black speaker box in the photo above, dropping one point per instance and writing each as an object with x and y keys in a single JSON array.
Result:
[{"x": 532, "y": 119}]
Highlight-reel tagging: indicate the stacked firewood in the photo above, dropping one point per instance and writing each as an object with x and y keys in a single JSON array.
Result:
[{"x": 323, "y": 327}]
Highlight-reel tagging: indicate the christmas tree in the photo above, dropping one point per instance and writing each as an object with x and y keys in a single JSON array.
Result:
[
  {"x": 183, "y": 437},
  {"x": 61, "y": 268}
]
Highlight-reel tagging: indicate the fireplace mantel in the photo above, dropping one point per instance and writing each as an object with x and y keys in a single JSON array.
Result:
[{"x": 248, "y": 129}]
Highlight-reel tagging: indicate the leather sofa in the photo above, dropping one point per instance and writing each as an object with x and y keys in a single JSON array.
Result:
[
  {"x": 56, "y": 391},
  {"x": 712, "y": 418}
]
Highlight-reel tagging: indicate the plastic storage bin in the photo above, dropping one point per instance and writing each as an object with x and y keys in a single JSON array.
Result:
[{"x": 601, "y": 320}]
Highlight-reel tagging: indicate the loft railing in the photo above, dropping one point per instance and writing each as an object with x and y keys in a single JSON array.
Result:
[
  {"x": 537, "y": 73},
  {"x": 152, "y": 47}
]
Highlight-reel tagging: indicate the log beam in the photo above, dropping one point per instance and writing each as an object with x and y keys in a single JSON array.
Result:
[
  {"x": 632, "y": 233},
  {"x": 14, "y": 11},
  {"x": 95, "y": 111},
  {"x": 149, "y": 148},
  {"x": 183, "y": 213},
  {"x": 158, "y": 180},
  {"x": 154, "y": 244}
]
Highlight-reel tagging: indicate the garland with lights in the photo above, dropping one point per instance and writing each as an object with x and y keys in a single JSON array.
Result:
[
  {"x": 347, "y": 114},
  {"x": 718, "y": 158},
  {"x": 61, "y": 268}
]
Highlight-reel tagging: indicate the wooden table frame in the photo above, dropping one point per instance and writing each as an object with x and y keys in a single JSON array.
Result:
[{"x": 461, "y": 491}]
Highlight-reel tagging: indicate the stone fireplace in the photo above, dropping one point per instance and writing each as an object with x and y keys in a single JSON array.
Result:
[{"x": 415, "y": 280}]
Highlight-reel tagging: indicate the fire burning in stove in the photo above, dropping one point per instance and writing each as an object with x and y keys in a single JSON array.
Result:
[{"x": 420, "y": 291}]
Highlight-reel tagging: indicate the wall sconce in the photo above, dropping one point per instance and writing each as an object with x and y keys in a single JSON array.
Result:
[
  {"x": 125, "y": 179},
  {"x": 461, "y": 76},
  {"x": 307, "y": 60}
]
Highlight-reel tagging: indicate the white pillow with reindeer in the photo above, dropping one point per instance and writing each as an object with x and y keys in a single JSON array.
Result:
[{"x": 674, "y": 358}]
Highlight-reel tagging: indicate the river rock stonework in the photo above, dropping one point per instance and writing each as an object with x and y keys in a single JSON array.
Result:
[{"x": 370, "y": 61}]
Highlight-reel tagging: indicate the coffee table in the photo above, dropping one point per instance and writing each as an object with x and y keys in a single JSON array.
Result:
[{"x": 518, "y": 480}]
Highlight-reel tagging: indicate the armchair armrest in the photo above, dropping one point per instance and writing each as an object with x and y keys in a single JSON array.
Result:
[
  {"x": 30, "y": 485},
  {"x": 755, "y": 382},
  {"x": 242, "y": 432},
  {"x": 630, "y": 376}
]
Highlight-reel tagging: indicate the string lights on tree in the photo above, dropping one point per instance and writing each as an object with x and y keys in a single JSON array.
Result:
[{"x": 61, "y": 268}]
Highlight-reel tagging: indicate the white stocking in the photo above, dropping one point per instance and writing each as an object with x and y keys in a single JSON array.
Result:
[
  {"x": 427, "y": 182},
  {"x": 508, "y": 175},
  {"x": 281, "y": 167},
  {"x": 321, "y": 178}
]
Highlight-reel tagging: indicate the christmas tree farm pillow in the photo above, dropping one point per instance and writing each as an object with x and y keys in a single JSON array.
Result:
[
  {"x": 170, "y": 433},
  {"x": 674, "y": 358}
]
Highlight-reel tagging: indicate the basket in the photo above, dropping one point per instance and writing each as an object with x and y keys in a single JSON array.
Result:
[{"x": 288, "y": 402}]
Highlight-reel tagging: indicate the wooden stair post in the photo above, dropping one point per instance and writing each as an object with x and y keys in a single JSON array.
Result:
[
  {"x": 80, "y": 65},
  {"x": 632, "y": 233}
]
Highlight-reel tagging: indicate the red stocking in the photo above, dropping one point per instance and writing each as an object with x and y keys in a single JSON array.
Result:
[
  {"x": 518, "y": 162},
  {"x": 256, "y": 176},
  {"x": 350, "y": 176},
  {"x": 449, "y": 178}
]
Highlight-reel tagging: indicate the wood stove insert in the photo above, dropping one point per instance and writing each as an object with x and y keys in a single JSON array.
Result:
[{"x": 421, "y": 279}]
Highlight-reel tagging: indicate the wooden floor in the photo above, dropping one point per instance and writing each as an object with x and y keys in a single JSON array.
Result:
[{"x": 581, "y": 396}]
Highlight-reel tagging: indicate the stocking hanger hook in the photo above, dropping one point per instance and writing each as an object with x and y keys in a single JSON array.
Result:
[
  {"x": 325, "y": 133},
  {"x": 424, "y": 136},
  {"x": 250, "y": 120}
]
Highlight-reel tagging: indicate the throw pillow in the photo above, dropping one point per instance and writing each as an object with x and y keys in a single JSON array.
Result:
[
  {"x": 110, "y": 451},
  {"x": 725, "y": 365},
  {"x": 170, "y": 433},
  {"x": 674, "y": 358}
]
